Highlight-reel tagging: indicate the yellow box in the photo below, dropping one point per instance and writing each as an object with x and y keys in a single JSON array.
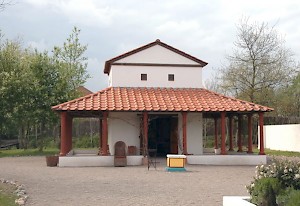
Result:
[{"x": 177, "y": 161}]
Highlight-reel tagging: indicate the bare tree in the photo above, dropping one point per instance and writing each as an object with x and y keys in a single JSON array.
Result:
[
  {"x": 259, "y": 64},
  {"x": 4, "y": 4}
]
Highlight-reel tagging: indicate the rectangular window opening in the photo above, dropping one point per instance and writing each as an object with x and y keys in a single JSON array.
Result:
[
  {"x": 144, "y": 77},
  {"x": 171, "y": 77}
]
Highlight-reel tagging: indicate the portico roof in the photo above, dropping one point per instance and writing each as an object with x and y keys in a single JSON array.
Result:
[{"x": 159, "y": 99}]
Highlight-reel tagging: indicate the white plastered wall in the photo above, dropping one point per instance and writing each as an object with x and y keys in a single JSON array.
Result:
[
  {"x": 282, "y": 137},
  {"x": 157, "y": 76},
  {"x": 123, "y": 126},
  {"x": 194, "y": 133},
  {"x": 157, "y": 54},
  {"x": 185, "y": 76}
]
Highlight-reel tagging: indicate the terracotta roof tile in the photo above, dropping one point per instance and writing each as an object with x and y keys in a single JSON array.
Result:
[{"x": 158, "y": 99}]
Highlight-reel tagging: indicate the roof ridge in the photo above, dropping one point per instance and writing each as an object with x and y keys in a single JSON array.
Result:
[{"x": 107, "y": 64}]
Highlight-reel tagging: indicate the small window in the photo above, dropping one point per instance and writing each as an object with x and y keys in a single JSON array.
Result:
[
  {"x": 144, "y": 77},
  {"x": 171, "y": 77}
]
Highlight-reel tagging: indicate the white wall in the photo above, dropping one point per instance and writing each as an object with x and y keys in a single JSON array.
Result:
[
  {"x": 130, "y": 76},
  {"x": 123, "y": 126},
  {"x": 194, "y": 133},
  {"x": 282, "y": 137},
  {"x": 157, "y": 76},
  {"x": 157, "y": 54}
]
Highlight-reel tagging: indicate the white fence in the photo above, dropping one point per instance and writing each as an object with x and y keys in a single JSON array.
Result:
[{"x": 282, "y": 137}]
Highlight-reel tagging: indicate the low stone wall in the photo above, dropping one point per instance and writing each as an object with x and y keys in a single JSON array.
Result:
[
  {"x": 96, "y": 161},
  {"x": 282, "y": 137},
  {"x": 226, "y": 159}
]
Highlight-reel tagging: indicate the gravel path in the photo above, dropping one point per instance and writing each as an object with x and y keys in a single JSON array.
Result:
[{"x": 201, "y": 185}]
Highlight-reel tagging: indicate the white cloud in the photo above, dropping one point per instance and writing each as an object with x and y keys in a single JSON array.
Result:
[
  {"x": 39, "y": 45},
  {"x": 79, "y": 12},
  {"x": 201, "y": 28}
]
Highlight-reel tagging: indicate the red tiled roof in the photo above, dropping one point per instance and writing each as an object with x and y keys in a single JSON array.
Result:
[
  {"x": 83, "y": 91},
  {"x": 157, "y": 42},
  {"x": 158, "y": 99}
]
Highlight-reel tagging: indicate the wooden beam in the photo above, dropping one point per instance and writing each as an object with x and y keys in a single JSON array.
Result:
[
  {"x": 216, "y": 133},
  {"x": 184, "y": 132},
  {"x": 223, "y": 133},
  {"x": 261, "y": 134},
  {"x": 230, "y": 133},
  {"x": 145, "y": 133},
  {"x": 104, "y": 134},
  {"x": 240, "y": 147},
  {"x": 250, "y": 133},
  {"x": 66, "y": 133}
]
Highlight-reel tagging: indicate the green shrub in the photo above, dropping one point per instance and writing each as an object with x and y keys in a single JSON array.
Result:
[
  {"x": 86, "y": 142},
  {"x": 264, "y": 191},
  {"x": 278, "y": 181},
  {"x": 286, "y": 171},
  {"x": 294, "y": 198},
  {"x": 290, "y": 197}
]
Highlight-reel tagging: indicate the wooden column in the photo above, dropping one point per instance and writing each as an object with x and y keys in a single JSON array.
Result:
[
  {"x": 70, "y": 131},
  {"x": 216, "y": 133},
  {"x": 100, "y": 134},
  {"x": 250, "y": 133},
  {"x": 261, "y": 134},
  {"x": 104, "y": 133},
  {"x": 66, "y": 133},
  {"x": 230, "y": 133},
  {"x": 240, "y": 147},
  {"x": 223, "y": 134},
  {"x": 184, "y": 142},
  {"x": 145, "y": 133}
]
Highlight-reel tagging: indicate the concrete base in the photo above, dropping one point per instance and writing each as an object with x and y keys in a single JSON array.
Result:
[
  {"x": 175, "y": 169},
  {"x": 95, "y": 161},
  {"x": 226, "y": 159},
  {"x": 236, "y": 201}
]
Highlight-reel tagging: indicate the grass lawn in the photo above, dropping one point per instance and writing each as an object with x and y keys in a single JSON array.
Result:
[
  {"x": 28, "y": 152},
  {"x": 7, "y": 197},
  {"x": 281, "y": 153}
]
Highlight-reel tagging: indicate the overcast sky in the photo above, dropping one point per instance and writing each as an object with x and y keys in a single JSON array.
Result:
[{"x": 204, "y": 29}]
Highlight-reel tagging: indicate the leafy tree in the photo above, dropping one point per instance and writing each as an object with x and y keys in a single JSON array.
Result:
[
  {"x": 259, "y": 64},
  {"x": 288, "y": 99},
  {"x": 32, "y": 82},
  {"x": 71, "y": 61}
]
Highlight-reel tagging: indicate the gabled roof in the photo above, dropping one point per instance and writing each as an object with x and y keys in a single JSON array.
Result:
[
  {"x": 159, "y": 99},
  {"x": 83, "y": 90},
  {"x": 157, "y": 42}
]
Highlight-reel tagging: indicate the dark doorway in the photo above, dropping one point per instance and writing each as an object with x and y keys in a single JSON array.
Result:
[{"x": 163, "y": 135}]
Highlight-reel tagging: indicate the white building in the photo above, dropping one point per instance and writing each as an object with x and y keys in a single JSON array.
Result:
[{"x": 155, "y": 100}]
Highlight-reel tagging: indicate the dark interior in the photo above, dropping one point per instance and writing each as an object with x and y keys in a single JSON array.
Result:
[{"x": 162, "y": 135}]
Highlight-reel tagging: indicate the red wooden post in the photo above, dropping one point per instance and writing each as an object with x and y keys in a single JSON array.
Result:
[
  {"x": 184, "y": 142},
  {"x": 66, "y": 133},
  {"x": 223, "y": 134},
  {"x": 230, "y": 133},
  {"x": 145, "y": 132},
  {"x": 249, "y": 133},
  {"x": 104, "y": 133},
  {"x": 216, "y": 133},
  {"x": 240, "y": 133},
  {"x": 70, "y": 130},
  {"x": 261, "y": 134},
  {"x": 100, "y": 135}
]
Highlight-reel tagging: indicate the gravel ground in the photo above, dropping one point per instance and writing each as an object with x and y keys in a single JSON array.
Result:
[{"x": 201, "y": 185}]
